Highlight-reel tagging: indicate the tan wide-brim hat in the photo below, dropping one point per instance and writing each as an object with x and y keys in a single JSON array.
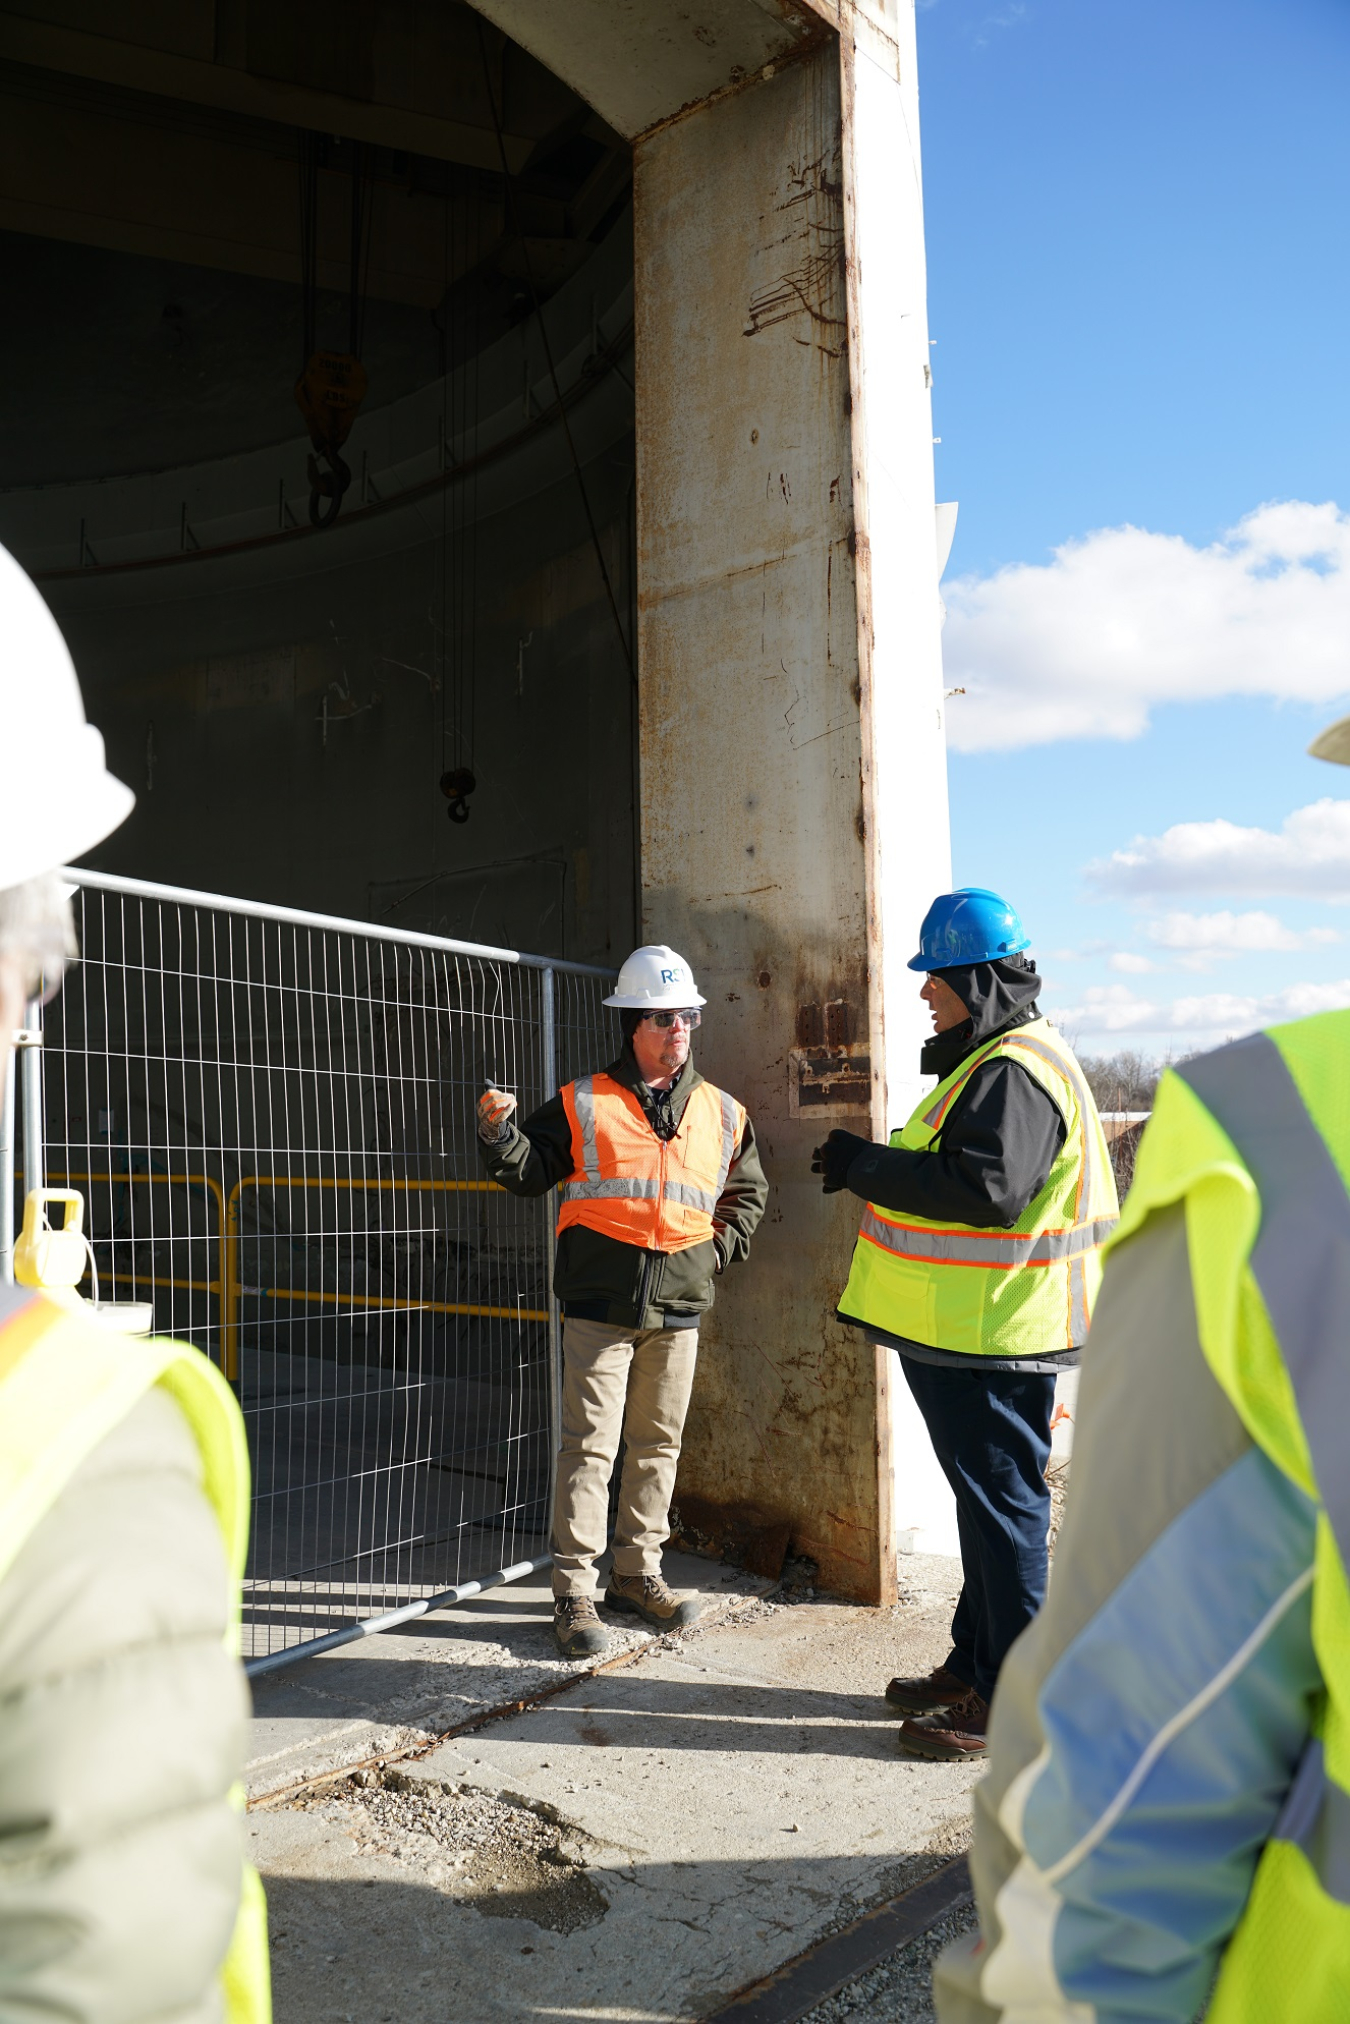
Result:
[{"x": 1333, "y": 743}]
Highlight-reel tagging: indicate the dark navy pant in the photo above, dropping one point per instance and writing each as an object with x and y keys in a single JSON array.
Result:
[{"x": 990, "y": 1430}]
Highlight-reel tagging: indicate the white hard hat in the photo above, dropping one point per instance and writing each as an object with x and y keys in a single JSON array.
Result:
[
  {"x": 655, "y": 979},
  {"x": 57, "y": 797}
]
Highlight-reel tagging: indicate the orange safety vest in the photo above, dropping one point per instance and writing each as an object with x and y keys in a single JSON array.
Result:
[{"x": 627, "y": 1183}]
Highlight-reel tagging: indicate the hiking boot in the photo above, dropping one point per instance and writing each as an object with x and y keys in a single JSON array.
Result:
[
  {"x": 957, "y": 1732},
  {"x": 577, "y": 1628},
  {"x": 938, "y": 1689},
  {"x": 647, "y": 1596}
]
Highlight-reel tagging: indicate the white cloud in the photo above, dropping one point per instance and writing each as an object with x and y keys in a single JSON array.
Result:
[
  {"x": 1309, "y": 855},
  {"x": 1107, "y": 1009},
  {"x": 1131, "y": 965},
  {"x": 1123, "y": 619},
  {"x": 1197, "y": 940}
]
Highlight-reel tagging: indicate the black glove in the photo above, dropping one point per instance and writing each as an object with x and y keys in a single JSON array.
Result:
[{"x": 835, "y": 1157}]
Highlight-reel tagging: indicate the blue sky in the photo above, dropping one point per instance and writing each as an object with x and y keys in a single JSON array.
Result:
[{"x": 1137, "y": 280}]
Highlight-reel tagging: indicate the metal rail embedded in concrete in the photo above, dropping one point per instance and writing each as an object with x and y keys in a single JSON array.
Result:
[{"x": 813, "y": 1977}]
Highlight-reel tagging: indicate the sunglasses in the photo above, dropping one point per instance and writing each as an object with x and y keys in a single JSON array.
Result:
[{"x": 663, "y": 1019}]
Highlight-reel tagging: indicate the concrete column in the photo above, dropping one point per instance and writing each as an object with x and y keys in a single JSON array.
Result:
[
  {"x": 788, "y": 700},
  {"x": 900, "y": 660}
]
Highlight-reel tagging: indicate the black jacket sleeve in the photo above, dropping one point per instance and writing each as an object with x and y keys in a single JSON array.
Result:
[
  {"x": 744, "y": 1198},
  {"x": 993, "y": 1157},
  {"x": 535, "y": 1156}
]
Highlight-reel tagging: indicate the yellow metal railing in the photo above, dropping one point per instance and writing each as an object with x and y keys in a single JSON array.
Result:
[
  {"x": 214, "y": 1189},
  {"x": 228, "y": 1286},
  {"x": 345, "y": 1302}
]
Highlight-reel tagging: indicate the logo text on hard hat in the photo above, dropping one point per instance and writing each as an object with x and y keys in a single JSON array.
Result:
[{"x": 671, "y": 976}]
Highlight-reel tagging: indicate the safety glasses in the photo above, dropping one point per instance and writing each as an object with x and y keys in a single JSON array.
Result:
[{"x": 691, "y": 1019}]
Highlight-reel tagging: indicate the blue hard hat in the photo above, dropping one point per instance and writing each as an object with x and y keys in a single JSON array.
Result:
[{"x": 969, "y": 926}]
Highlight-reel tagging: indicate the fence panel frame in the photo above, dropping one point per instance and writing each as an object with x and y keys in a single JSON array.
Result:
[{"x": 228, "y": 1286}]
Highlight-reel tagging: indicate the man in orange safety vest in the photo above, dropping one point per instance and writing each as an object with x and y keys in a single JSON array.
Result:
[{"x": 662, "y": 1189}]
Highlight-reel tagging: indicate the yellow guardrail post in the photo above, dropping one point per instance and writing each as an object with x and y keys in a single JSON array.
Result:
[{"x": 354, "y": 1302}]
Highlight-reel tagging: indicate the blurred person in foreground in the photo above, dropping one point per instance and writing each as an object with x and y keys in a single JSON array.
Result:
[
  {"x": 124, "y": 1897},
  {"x": 1165, "y": 1827}
]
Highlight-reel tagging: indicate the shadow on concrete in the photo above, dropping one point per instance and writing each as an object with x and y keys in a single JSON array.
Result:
[
  {"x": 617, "y": 1710},
  {"x": 316, "y": 1613},
  {"x": 673, "y": 1941}
]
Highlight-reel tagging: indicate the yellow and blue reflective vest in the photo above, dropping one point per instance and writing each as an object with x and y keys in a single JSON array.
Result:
[
  {"x": 65, "y": 1384},
  {"x": 1164, "y": 1829},
  {"x": 1256, "y": 1139},
  {"x": 1024, "y": 1291}
]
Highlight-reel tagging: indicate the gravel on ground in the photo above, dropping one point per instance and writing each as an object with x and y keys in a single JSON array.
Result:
[{"x": 505, "y": 1858}]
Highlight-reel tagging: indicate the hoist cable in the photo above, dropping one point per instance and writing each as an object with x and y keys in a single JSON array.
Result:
[
  {"x": 309, "y": 206},
  {"x": 514, "y": 219}
]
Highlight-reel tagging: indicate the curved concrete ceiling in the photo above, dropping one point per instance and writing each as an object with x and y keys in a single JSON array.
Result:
[
  {"x": 489, "y": 432},
  {"x": 639, "y": 62}
]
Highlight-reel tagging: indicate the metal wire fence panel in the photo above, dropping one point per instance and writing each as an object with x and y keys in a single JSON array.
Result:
[{"x": 271, "y": 1119}]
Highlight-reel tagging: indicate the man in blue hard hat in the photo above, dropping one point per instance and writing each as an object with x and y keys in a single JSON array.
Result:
[{"x": 978, "y": 1259}]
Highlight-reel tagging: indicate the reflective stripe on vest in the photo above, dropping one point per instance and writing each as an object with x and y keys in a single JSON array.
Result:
[
  {"x": 1021, "y": 1292},
  {"x": 706, "y": 1142},
  {"x": 997, "y": 1250},
  {"x": 65, "y": 1385},
  {"x": 1301, "y": 1258}
]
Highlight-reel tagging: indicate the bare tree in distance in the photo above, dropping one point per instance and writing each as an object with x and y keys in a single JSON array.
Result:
[{"x": 1124, "y": 1082}]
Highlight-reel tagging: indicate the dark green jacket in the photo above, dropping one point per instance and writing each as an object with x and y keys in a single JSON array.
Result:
[{"x": 600, "y": 1278}]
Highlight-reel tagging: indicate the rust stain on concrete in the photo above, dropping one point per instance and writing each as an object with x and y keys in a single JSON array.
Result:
[
  {"x": 745, "y": 1534},
  {"x": 751, "y": 859}
]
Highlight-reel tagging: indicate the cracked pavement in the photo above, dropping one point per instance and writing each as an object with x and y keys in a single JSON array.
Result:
[{"x": 635, "y": 1848}]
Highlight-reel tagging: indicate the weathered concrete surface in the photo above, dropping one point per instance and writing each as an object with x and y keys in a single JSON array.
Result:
[
  {"x": 396, "y": 1692},
  {"x": 754, "y": 855},
  {"x": 642, "y": 61},
  {"x": 709, "y": 1810}
]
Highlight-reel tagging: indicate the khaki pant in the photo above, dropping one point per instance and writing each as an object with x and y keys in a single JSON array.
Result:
[{"x": 618, "y": 1381}]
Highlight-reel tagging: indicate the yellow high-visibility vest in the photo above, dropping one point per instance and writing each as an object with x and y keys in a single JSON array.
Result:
[
  {"x": 1024, "y": 1291},
  {"x": 65, "y": 1384},
  {"x": 1255, "y": 1140}
]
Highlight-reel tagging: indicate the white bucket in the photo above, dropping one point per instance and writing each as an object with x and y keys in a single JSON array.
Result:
[{"x": 124, "y": 1317}]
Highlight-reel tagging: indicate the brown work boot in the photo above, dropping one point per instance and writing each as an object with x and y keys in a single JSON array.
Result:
[
  {"x": 938, "y": 1689},
  {"x": 647, "y": 1596},
  {"x": 577, "y": 1628},
  {"x": 957, "y": 1732}
]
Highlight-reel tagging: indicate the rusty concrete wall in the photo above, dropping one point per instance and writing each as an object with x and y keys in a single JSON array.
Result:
[{"x": 754, "y": 842}]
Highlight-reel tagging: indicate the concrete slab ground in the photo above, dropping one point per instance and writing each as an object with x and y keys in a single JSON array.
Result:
[
  {"x": 635, "y": 1848},
  {"x": 393, "y": 1693}
]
